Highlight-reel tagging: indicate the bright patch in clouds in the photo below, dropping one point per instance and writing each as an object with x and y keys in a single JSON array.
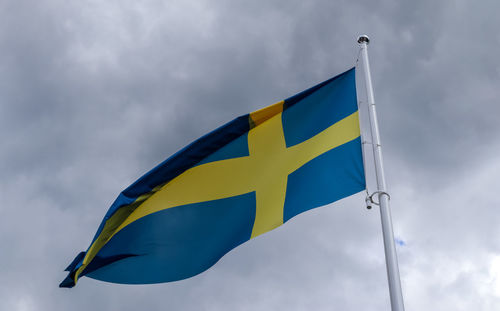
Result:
[{"x": 495, "y": 275}]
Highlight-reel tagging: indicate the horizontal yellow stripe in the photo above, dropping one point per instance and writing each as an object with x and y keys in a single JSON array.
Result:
[{"x": 231, "y": 177}]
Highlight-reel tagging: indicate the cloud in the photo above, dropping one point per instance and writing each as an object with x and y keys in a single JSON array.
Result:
[{"x": 93, "y": 94}]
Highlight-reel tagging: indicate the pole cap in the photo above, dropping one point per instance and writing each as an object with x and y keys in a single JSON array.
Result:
[{"x": 363, "y": 39}]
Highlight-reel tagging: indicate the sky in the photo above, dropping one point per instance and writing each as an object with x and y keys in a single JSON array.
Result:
[{"x": 93, "y": 94}]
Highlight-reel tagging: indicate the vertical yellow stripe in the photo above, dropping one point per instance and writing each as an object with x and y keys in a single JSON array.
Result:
[{"x": 267, "y": 148}]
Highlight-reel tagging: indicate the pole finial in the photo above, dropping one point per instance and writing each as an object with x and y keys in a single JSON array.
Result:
[{"x": 363, "y": 39}]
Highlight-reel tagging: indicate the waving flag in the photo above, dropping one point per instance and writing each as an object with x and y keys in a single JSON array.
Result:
[{"x": 243, "y": 179}]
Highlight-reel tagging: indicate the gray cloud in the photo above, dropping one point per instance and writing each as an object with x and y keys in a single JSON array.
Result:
[{"x": 92, "y": 95}]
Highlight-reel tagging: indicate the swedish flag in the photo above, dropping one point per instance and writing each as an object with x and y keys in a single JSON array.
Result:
[{"x": 245, "y": 178}]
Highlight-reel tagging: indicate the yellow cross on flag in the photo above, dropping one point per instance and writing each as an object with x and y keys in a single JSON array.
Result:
[{"x": 233, "y": 184}]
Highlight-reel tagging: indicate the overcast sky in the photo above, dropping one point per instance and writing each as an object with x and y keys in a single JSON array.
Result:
[{"x": 95, "y": 93}]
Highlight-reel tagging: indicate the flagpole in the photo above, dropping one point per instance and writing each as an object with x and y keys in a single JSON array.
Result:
[{"x": 391, "y": 258}]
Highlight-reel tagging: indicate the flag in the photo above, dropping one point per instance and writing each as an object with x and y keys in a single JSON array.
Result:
[{"x": 237, "y": 182}]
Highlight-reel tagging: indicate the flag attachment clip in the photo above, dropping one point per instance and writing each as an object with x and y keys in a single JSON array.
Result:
[{"x": 369, "y": 198}]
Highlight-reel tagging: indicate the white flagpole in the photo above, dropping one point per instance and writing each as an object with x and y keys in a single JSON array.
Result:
[{"x": 391, "y": 258}]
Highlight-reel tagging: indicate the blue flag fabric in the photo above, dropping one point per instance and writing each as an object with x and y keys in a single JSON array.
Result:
[{"x": 245, "y": 178}]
